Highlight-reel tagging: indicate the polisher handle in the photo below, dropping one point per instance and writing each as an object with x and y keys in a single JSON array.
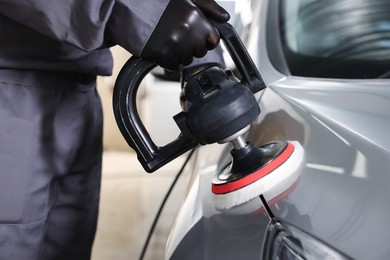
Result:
[
  {"x": 149, "y": 155},
  {"x": 250, "y": 74}
]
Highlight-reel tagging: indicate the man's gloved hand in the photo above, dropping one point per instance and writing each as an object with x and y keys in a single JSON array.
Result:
[{"x": 184, "y": 32}]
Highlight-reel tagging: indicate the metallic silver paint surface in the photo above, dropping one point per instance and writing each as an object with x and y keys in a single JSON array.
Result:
[
  {"x": 342, "y": 197},
  {"x": 344, "y": 185}
]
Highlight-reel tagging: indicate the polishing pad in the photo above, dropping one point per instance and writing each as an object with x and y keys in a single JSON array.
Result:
[{"x": 273, "y": 178}]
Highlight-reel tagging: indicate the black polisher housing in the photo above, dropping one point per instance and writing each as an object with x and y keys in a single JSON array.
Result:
[{"x": 219, "y": 106}]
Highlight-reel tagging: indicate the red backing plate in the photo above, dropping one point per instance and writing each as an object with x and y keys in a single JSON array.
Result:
[{"x": 260, "y": 173}]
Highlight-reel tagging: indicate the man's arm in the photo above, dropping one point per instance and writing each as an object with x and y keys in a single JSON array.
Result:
[
  {"x": 167, "y": 32},
  {"x": 87, "y": 23}
]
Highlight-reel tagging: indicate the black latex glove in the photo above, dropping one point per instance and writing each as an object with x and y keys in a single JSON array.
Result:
[{"x": 184, "y": 32}]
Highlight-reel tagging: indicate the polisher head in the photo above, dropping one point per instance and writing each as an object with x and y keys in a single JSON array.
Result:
[{"x": 276, "y": 173}]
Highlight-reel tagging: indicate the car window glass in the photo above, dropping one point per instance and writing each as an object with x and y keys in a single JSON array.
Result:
[{"x": 336, "y": 38}]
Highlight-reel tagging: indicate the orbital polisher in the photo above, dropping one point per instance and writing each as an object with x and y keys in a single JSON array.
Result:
[{"x": 217, "y": 108}]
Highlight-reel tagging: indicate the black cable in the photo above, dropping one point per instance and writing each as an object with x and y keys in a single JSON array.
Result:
[
  {"x": 267, "y": 207},
  {"x": 163, "y": 204}
]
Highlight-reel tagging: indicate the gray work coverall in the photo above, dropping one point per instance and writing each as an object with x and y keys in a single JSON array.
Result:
[{"x": 51, "y": 118}]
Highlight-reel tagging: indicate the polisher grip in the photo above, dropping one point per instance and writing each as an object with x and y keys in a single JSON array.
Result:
[
  {"x": 250, "y": 75},
  {"x": 133, "y": 130}
]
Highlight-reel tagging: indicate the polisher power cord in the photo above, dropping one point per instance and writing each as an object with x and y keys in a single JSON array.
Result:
[{"x": 162, "y": 205}]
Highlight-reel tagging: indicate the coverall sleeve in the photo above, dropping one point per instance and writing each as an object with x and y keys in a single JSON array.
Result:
[{"x": 89, "y": 24}]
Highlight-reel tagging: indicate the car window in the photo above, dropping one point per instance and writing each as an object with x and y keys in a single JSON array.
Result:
[{"x": 336, "y": 38}]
